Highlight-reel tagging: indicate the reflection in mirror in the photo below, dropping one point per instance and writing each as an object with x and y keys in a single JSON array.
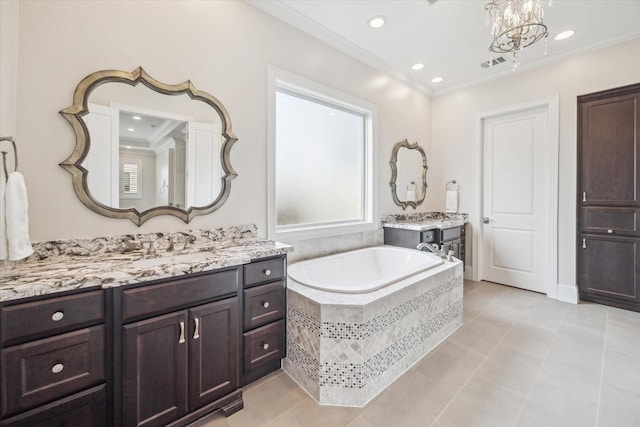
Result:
[
  {"x": 145, "y": 153},
  {"x": 408, "y": 174}
]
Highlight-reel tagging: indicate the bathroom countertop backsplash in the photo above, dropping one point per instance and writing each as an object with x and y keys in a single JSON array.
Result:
[
  {"x": 105, "y": 262},
  {"x": 424, "y": 221}
]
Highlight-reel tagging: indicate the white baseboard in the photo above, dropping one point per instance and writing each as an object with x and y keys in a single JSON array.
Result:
[
  {"x": 567, "y": 293},
  {"x": 468, "y": 272}
]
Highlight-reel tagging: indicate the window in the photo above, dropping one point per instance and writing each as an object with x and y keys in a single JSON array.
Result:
[
  {"x": 131, "y": 172},
  {"x": 321, "y": 161}
]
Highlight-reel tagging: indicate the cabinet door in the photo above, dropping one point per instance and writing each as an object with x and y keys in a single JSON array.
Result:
[
  {"x": 609, "y": 151},
  {"x": 155, "y": 370},
  {"x": 608, "y": 267},
  {"x": 213, "y": 351}
]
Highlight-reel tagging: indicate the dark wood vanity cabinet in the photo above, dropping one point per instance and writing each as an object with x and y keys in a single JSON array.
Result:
[
  {"x": 265, "y": 306},
  {"x": 608, "y": 257},
  {"x": 183, "y": 364},
  {"x": 161, "y": 353},
  {"x": 52, "y": 362}
]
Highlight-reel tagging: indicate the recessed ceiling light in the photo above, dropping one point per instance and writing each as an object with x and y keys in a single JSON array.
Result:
[
  {"x": 131, "y": 129},
  {"x": 136, "y": 117},
  {"x": 437, "y": 79},
  {"x": 564, "y": 35},
  {"x": 418, "y": 66},
  {"x": 377, "y": 22}
]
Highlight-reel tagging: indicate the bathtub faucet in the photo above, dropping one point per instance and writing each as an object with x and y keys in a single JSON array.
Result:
[{"x": 441, "y": 251}]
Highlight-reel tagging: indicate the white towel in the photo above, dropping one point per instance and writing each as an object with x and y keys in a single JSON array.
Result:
[
  {"x": 451, "y": 201},
  {"x": 17, "y": 217},
  {"x": 411, "y": 195},
  {"x": 4, "y": 249}
]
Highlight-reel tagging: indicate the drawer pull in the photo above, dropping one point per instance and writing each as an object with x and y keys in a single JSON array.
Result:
[
  {"x": 57, "y": 316},
  {"x": 265, "y": 304},
  {"x": 610, "y": 231},
  {"x": 196, "y": 333},
  {"x": 267, "y": 272},
  {"x": 265, "y": 345},
  {"x": 57, "y": 368},
  {"x": 181, "y": 339}
]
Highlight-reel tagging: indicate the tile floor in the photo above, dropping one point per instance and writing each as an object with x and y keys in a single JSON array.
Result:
[{"x": 520, "y": 359}]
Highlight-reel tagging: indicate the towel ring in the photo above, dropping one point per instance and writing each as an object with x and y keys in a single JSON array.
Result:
[
  {"x": 453, "y": 181},
  {"x": 4, "y": 155},
  {"x": 412, "y": 186}
]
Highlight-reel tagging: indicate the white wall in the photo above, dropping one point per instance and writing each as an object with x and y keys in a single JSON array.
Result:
[
  {"x": 224, "y": 48},
  {"x": 453, "y": 129}
]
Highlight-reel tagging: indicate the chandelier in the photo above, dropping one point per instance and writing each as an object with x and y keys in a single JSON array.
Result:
[{"x": 515, "y": 24}]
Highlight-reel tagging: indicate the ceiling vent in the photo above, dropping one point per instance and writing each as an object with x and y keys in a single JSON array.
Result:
[{"x": 495, "y": 61}]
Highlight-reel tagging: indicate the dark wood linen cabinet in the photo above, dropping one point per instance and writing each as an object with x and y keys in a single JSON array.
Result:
[{"x": 608, "y": 223}]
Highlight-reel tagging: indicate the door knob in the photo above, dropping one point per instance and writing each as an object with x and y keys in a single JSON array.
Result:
[{"x": 485, "y": 220}]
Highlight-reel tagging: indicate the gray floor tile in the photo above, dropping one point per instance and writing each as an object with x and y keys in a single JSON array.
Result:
[
  {"x": 618, "y": 407},
  {"x": 621, "y": 370},
  {"x": 550, "y": 406},
  {"x": 511, "y": 369},
  {"x": 450, "y": 366},
  {"x": 482, "y": 403}
]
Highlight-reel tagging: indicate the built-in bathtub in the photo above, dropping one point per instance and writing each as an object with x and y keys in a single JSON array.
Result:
[
  {"x": 349, "y": 340},
  {"x": 362, "y": 270}
]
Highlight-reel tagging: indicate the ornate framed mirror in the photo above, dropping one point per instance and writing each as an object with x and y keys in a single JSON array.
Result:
[
  {"x": 408, "y": 174},
  {"x": 146, "y": 148}
]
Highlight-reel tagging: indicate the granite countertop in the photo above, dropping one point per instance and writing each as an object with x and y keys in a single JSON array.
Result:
[
  {"x": 115, "y": 261},
  {"x": 425, "y": 221}
]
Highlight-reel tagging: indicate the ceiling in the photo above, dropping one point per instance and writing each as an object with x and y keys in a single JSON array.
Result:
[{"x": 450, "y": 37}]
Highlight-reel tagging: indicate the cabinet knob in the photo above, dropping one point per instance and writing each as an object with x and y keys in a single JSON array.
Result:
[
  {"x": 57, "y": 316},
  {"x": 610, "y": 231},
  {"x": 57, "y": 368},
  {"x": 267, "y": 272},
  {"x": 265, "y": 345},
  {"x": 265, "y": 304}
]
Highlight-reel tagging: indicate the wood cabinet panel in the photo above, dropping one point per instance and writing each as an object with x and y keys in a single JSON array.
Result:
[
  {"x": 177, "y": 294},
  {"x": 609, "y": 150},
  {"x": 86, "y": 409},
  {"x": 610, "y": 220},
  {"x": 155, "y": 370},
  {"x": 263, "y": 349},
  {"x": 609, "y": 266},
  {"x": 264, "y": 271},
  {"x": 213, "y": 351},
  {"x": 264, "y": 304},
  {"x": 47, "y": 369},
  {"x": 32, "y": 320}
]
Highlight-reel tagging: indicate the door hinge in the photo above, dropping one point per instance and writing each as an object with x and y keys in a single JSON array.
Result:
[{"x": 584, "y": 243}]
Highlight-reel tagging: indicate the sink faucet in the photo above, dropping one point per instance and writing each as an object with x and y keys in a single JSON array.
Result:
[{"x": 433, "y": 248}]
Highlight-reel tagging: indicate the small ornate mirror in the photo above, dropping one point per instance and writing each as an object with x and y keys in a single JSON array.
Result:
[
  {"x": 408, "y": 174},
  {"x": 145, "y": 148}
]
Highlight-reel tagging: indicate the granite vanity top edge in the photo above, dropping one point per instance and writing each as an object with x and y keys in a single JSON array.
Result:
[
  {"x": 30, "y": 279},
  {"x": 424, "y": 226}
]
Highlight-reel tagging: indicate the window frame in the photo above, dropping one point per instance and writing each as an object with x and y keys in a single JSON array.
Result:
[{"x": 310, "y": 90}]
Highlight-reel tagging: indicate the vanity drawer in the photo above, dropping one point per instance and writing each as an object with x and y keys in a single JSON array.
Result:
[
  {"x": 47, "y": 369},
  {"x": 175, "y": 294},
  {"x": 610, "y": 220},
  {"x": 86, "y": 408},
  {"x": 264, "y": 304},
  {"x": 263, "y": 349},
  {"x": 27, "y": 321},
  {"x": 264, "y": 271}
]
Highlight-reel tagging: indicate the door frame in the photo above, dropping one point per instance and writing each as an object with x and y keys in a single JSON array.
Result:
[{"x": 551, "y": 104}]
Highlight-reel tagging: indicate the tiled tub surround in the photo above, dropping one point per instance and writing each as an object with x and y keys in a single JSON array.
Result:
[
  {"x": 344, "y": 349},
  {"x": 424, "y": 221},
  {"x": 105, "y": 262}
]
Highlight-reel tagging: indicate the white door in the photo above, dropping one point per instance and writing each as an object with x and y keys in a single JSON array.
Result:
[
  {"x": 515, "y": 229},
  {"x": 103, "y": 157},
  {"x": 203, "y": 163}
]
